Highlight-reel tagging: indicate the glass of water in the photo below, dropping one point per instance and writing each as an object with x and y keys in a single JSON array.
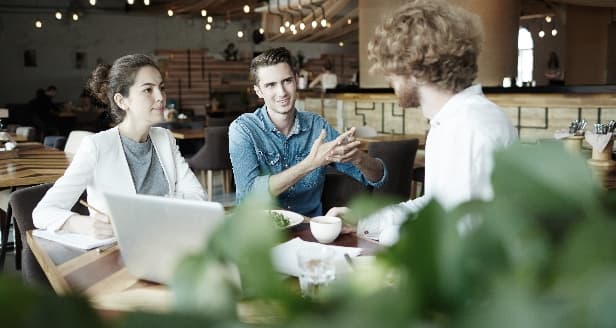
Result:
[{"x": 317, "y": 269}]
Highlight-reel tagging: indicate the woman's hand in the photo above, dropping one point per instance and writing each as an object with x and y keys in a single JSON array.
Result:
[{"x": 97, "y": 226}]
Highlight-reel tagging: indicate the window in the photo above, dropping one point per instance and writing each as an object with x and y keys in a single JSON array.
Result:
[{"x": 525, "y": 57}]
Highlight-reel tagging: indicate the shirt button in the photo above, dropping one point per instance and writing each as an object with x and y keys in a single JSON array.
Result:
[{"x": 365, "y": 232}]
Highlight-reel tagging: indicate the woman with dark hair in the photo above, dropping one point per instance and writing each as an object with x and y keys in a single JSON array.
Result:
[{"x": 132, "y": 158}]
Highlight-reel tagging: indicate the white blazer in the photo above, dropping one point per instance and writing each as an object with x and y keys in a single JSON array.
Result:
[{"x": 100, "y": 165}]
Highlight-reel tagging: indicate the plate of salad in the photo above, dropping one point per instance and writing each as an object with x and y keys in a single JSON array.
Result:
[{"x": 283, "y": 219}]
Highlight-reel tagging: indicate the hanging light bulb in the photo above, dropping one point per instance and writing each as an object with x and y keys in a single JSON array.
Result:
[
  {"x": 210, "y": 19},
  {"x": 246, "y": 9},
  {"x": 261, "y": 30},
  {"x": 282, "y": 29},
  {"x": 58, "y": 15},
  {"x": 302, "y": 26},
  {"x": 93, "y": 2},
  {"x": 287, "y": 23},
  {"x": 240, "y": 34},
  {"x": 75, "y": 17},
  {"x": 146, "y": 2},
  {"x": 170, "y": 12},
  {"x": 208, "y": 26},
  {"x": 203, "y": 12},
  {"x": 323, "y": 22},
  {"x": 341, "y": 44},
  {"x": 554, "y": 32},
  {"x": 294, "y": 32},
  {"x": 292, "y": 28},
  {"x": 314, "y": 24},
  {"x": 541, "y": 34},
  {"x": 130, "y": 2},
  {"x": 349, "y": 21},
  {"x": 38, "y": 24},
  {"x": 548, "y": 19}
]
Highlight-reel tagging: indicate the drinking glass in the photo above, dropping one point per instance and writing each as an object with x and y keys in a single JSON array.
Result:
[{"x": 316, "y": 269}]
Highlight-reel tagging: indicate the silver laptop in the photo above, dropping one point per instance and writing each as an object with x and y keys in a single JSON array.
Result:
[{"x": 155, "y": 233}]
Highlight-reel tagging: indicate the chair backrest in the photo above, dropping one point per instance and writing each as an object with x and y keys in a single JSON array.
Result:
[
  {"x": 214, "y": 155},
  {"x": 57, "y": 142},
  {"x": 219, "y": 121},
  {"x": 340, "y": 189},
  {"x": 27, "y": 131},
  {"x": 74, "y": 141},
  {"x": 398, "y": 156},
  {"x": 365, "y": 131},
  {"x": 22, "y": 202}
]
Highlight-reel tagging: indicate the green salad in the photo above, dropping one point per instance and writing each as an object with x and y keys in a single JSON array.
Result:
[{"x": 280, "y": 221}]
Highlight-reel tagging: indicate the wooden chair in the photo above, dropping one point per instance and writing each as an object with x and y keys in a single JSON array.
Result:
[
  {"x": 340, "y": 189},
  {"x": 22, "y": 203},
  {"x": 399, "y": 157},
  {"x": 27, "y": 131},
  {"x": 57, "y": 142},
  {"x": 213, "y": 156}
]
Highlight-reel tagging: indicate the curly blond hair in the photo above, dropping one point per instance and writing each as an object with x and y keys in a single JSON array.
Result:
[{"x": 434, "y": 41}]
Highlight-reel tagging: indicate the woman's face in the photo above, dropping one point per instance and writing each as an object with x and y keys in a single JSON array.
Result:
[{"x": 146, "y": 97}]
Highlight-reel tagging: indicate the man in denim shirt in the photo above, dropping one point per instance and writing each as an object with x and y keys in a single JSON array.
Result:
[{"x": 284, "y": 152}]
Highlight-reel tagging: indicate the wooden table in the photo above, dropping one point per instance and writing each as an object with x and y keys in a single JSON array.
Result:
[
  {"x": 35, "y": 164},
  {"x": 103, "y": 278},
  {"x": 188, "y": 133}
]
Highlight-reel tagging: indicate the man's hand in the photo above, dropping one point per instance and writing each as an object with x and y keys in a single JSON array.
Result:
[
  {"x": 347, "y": 149},
  {"x": 97, "y": 226},
  {"x": 320, "y": 153},
  {"x": 341, "y": 212}
]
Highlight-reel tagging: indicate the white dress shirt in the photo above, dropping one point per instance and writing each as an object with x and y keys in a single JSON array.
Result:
[{"x": 458, "y": 158}]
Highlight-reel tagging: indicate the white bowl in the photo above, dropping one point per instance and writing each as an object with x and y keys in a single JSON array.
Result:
[{"x": 325, "y": 229}]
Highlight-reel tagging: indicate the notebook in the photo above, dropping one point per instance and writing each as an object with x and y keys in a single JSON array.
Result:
[
  {"x": 155, "y": 233},
  {"x": 73, "y": 239}
]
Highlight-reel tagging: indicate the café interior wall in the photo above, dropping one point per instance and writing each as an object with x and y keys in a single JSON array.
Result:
[
  {"x": 104, "y": 38},
  {"x": 542, "y": 47},
  {"x": 586, "y": 46}
]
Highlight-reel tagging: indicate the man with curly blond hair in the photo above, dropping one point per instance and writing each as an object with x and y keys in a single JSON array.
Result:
[{"x": 427, "y": 50}]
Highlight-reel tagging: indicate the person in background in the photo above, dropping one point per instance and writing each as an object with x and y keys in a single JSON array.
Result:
[
  {"x": 131, "y": 158},
  {"x": 283, "y": 152},
  {"x": 427, "y": 50},
  {"x": 327, "y": 79},
  {"x": 553, "y": 74},
  {"x": 41, "y": 108}
]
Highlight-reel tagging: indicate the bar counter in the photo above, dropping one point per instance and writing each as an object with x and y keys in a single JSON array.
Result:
[{"x": 536, "y": 112}]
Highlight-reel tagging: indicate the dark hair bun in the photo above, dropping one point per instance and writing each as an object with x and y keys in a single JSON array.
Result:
[{"x": 98, "y": 84}]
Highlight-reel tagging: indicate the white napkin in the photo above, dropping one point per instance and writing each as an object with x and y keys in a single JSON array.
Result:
[
  {"x": 562, "y": 134},
  {"x": 284, "y": 256},
  {"x": 598, "y": 141}
]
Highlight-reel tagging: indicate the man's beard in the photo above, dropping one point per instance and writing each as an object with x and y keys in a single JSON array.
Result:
[{"x": 409, "y": 97}]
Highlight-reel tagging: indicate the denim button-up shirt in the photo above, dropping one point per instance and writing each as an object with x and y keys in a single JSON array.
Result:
[{"x": 259, "y": 150}]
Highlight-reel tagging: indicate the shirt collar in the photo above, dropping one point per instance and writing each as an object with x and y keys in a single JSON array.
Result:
[
  {"x": 449, "y": 109},
  {"x": 300, "y": 123}
]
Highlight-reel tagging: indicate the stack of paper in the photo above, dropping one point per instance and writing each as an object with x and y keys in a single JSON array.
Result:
[
  {"x": 73, "y": 239},
  {"x": 284, "y": 256}
]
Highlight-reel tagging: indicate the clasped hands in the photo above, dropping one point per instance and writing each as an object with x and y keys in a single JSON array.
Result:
[{"x": 343, "y": 149}]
